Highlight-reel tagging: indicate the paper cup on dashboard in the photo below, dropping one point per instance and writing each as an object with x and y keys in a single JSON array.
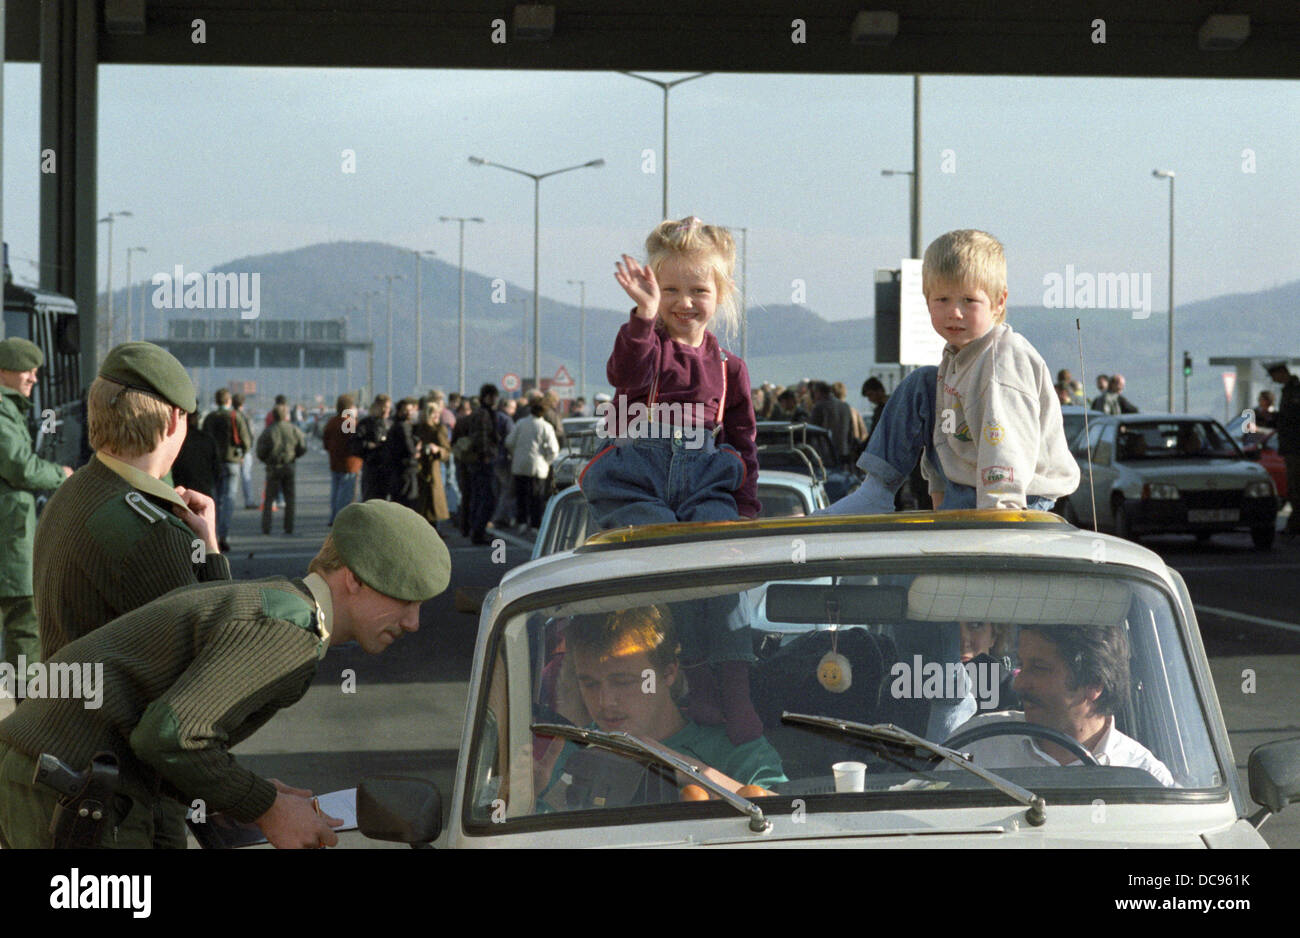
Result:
[{"x": 850, "y": 776}]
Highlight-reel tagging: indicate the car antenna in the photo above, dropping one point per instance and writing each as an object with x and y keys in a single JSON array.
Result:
[{"x": 1083, "y": 377}]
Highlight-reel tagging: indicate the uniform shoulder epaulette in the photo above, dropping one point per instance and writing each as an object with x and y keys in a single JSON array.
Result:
[
  {"x": 124, "y": 519},
  {"x": 281, "y": 604}
]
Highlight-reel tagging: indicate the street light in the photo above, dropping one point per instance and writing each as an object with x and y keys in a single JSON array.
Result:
[
  {"x": 390, "y": 278},
  {"x": 914, "y": 234},
  {"x": 130, "y": 290},
  {"x": 460, "y": 380},
  {"x": 666, "y": 86},
  {"x": 370, "y": 353},
  {"x": 537, "y": 307},
  {"x": 109, "y": 220},
  {"x": 419, "y": 323},
  {"x": 1169, "y": 174},
  {"x": 582, "y": 336}
]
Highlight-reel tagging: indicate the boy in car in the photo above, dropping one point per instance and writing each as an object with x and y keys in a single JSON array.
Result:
[
  {"x": 987, "y": 419},
  {"x": 629, "y": 679}
]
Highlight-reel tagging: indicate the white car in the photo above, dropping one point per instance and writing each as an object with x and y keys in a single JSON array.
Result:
[
  {"x": 558, "y": 749},
  {"x": 1168, "y": 473}
]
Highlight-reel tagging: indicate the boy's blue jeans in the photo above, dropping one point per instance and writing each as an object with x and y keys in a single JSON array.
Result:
[{"x": 905, "y": 431}]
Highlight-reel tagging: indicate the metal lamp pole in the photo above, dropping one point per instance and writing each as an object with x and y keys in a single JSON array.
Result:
[
  {"x": 109, "y": 220},
  {"x": 582, "y": 336},
  {"x": 370, "y": 353},
  {"x": 666, "y": 86},
  {"x": 537, "y": 185},
  {"x": 130, "y": 291},
  {"x": 390, "y": 278},
  {"x": 1169, "y": 174},
  {"x": 419, "y": 323},
  {"x": 461, "y": 345}
]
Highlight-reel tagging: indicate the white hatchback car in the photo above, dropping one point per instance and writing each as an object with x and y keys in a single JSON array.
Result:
[{"x": 585, "y": 720}]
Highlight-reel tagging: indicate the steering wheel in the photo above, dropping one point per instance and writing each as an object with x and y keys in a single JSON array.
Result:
[{"x": 1015, "y": 728}]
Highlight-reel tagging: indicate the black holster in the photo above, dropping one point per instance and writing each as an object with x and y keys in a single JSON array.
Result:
[{"x": 85, "y": 801}]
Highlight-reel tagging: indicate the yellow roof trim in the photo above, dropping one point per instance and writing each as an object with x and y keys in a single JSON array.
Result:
[{"x": 983, "y": 518}]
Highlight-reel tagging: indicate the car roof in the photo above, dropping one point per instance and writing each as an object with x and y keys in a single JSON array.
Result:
[
  {"x": 631, "y": 552},
  {"x": 1154, "y": 418}
]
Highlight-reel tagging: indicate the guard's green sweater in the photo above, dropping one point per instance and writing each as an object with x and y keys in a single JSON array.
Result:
[
  {"x": 105, "y": 546},
  {"x": 185, "y": 678}
]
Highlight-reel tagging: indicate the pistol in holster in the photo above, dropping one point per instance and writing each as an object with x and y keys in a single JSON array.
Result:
[{"x": 85, "y": 798}]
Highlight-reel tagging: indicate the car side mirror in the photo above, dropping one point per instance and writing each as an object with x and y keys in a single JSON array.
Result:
[
  {"x": 400, "y": 809},
  {"x": 1274, "y": 773}
]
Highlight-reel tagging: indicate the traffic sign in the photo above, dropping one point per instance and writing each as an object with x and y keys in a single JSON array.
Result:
[
  {"x": 511, "y": 381},
  {"x": 562, "y": 378}
]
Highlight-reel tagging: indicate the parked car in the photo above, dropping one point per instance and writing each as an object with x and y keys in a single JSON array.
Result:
[
  {"x": 566, "y": 521},
  {"x": 804, "y": 448},
  {"x": 1169, "y": 473},
  {"x": 873, "y": 603},
  {"x": 1073, "y": 419},
  {"x": 1260, "y": 443}
]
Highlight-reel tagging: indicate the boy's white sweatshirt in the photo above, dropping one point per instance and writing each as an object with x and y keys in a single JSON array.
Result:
[{"x": 998, "y": 422}]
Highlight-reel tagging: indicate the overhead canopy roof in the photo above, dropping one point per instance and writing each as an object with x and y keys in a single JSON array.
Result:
[{"x": 1040, "y": 37}]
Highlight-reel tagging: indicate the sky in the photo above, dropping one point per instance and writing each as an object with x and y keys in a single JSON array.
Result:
[{"x": 221, "y": 163}]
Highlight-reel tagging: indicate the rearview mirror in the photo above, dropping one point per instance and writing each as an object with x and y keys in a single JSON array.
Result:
[
  {"x": 1274, "y": 773},
  {"x": 399, "y": 809},
  {"x": 842, "y": 605}
]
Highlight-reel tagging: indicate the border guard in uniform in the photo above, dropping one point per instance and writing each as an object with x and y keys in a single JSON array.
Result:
[
  {"x": 188, "y": 676},
  {"x": 22, "y": 473}
]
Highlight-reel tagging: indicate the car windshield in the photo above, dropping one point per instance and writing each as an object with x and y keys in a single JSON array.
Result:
[
  {"x": 709, "y": 671},
  {"x": 1182, "y": 439}
]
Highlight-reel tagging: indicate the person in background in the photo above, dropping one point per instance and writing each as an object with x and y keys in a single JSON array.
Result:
[
  {"x": 435, "y": 452},
  {"x": 404, "y": 450},
  {"x": 280, "y": 446},
  {"x": 834, "y": 415},
  {"x": 340, "y": 440},
  {"x": 1064, "y": 394},
  {"x": 858, "y": 436},
  {"x": 788, "y": 408},
  {"x": 532, "y": 446},
  {"x": 504, "y": 485},
  {"x": 487, "y": 429},
  {"x": 1288, "y": 438},
  {"x": 198, "y": 464},
  {"x": 246, "y": 467},
  {"x": 1265, "y": 413},
  {"x": 22, "y": 475},
  {"x": 234, "y": 438},
  {"x": 373, "y": 434}
]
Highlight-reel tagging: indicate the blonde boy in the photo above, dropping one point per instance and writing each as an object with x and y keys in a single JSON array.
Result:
[{"x": 987, "y": 418}]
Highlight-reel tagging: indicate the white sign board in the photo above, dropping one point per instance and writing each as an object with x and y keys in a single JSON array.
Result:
[{"x": 918, "y": 343}]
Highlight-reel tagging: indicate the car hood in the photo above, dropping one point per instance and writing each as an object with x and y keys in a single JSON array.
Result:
[{"x": 1199, "y": 473}]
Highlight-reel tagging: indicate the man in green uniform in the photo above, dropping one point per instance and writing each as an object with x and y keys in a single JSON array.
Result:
[
  {"x": 21, "y": 474},
  {"x": 116, "y": 536},
  {"x": 188, "y": 676}
]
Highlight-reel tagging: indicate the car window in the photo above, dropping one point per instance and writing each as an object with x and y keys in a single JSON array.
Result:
[
  {"x": 780, "y": 501},
  {"x": 873, "y": 647},
  {"x": 1183, "y": 439}
]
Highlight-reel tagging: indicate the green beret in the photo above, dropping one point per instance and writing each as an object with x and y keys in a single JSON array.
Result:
[
  {"x": 20, "y": 355},
  {"x": 143, "y": 366},
  {"x": 392, "y": 549}
]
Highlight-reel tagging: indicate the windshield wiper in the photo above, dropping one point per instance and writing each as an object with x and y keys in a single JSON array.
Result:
[
  {"x": 627, "y": 744},
  {"x": 896, "y": 736}
]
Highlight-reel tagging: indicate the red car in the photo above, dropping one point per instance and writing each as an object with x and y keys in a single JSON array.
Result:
[{"x": 1264, "y": 444}]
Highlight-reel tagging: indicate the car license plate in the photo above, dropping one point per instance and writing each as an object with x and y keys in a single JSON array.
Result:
[{"x": 1213, "y": 514}]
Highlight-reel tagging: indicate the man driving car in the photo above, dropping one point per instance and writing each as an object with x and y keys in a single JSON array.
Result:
[{"x": 1072, "y": 679}]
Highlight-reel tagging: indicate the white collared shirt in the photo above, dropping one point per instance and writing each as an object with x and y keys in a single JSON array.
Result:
[
  {"x": 320, "y": 591},
  {"x": 1014, "y": 752}
]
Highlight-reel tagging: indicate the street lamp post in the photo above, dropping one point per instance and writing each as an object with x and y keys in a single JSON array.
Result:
[
  {"x": 370, "y": 352},
  {"x": 666, "y": 86},
  {"x": 419, "y": 324},
  {"x": 1169, "y": 174},
  {"x": 460, "y": 372},
  {"x": 537, "y": 185},
  {"x": 912, "y": 201},
  {"x": 582, "y": 336},
  {"x": 130, "y": 291},
  {"x": 108, "y": 219},
  {"x": 390, "y": 278}
]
